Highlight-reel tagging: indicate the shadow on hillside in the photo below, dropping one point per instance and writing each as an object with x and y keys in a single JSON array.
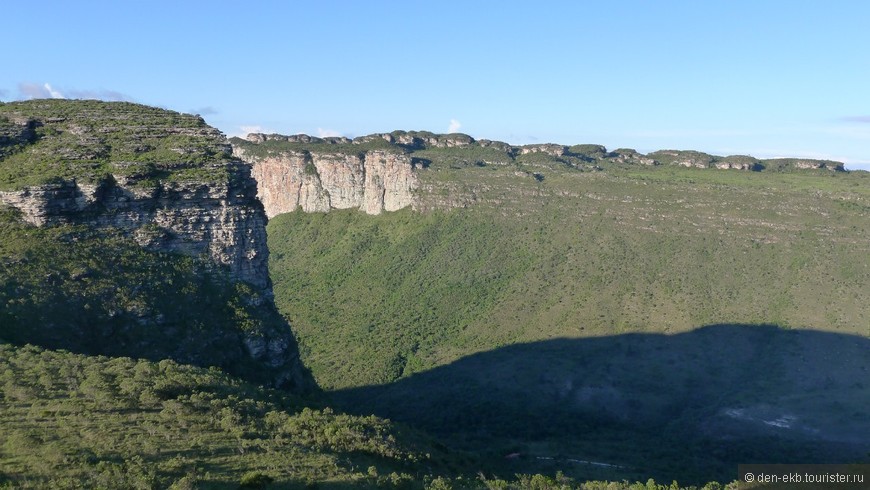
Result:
[{"x": 796, "y": 395}]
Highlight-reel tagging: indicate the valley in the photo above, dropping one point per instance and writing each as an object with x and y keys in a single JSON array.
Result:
[{"x": 416, "y": 310}]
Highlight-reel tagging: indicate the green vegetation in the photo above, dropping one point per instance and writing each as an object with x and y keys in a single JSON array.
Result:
[
  {"x": 98, "y": 292},
  {"x": 465, "y": 155},
  {"x": 392, "y": 311},
  {"x": 454, "y": 151},
  {"x": 589, "y": 151},
  {"x": 577, "y": 255},
  {"x": 374, "y": 331},
  {"x": 45, "y": 140},
  {"x": 675, "y": 157},
  {"x": 276, "y": 147},
  {"x": 601, "y": 327},
  {"x": 74, "y": 421}
]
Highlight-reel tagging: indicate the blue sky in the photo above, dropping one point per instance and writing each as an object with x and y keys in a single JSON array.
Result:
[{"x": 766, "y": 78}]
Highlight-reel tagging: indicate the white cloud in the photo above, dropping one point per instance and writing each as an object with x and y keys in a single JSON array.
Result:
[
  {"x": 204, "y": 111},
  {"x": 33, "y": 91},
  {"x": 327, "y": 133},
  {"x": 29, "y": 90},
  {"x": 52, "y": 92},
  {"x": 454, "y": 126},
  {"x": 107, "y": 95},
  {"x": 247, "y": 129},
  {"x": 251, "y": 129}
]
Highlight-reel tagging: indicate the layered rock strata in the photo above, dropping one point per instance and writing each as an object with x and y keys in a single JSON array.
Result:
[
  {"x": 372, "y": 181},
  {"x": 166, "y": 180},
  {"x": 222, "y": 221}
]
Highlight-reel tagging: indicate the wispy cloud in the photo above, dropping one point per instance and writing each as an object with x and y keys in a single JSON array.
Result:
[
  {"x": 29, "y": 90},
  {"x": 38, "y": 91},
  {"x": 858, "y": 119},
  {"x": 454, "y": 126},
  {"x": 205, "y": 111},
  {"x": 52, "y": 92},
  {"x": 254, "y": 128},
  {"x": 327, "y": 133},
  {"x": 247, "y": 129}
]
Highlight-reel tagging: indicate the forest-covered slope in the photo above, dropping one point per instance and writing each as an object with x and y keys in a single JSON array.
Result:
[
  {"x": 75, "y": 421},
  {"x": 131, "y": 230},
  {"x": 559, "y": 313},
  {"x": 570, "y": 311},
  {"x": 577, "y": 254}
]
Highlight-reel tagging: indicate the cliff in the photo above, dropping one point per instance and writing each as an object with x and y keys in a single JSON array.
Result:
[
  {"x": 167, "y": 182},
  {"x": 389, "y": 171},
  {"x": 372, "y": 180},
  {"x": 222, "y": 220}
]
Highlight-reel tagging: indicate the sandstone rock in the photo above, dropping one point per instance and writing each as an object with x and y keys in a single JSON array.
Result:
[
  {"x": 817, "y": 164},
  {"x": 499, "y": 145},
  {"x": 223, "y": 221},
  {"x": 188, "y": 196},
  {"x": 631, "y": 156},
  {"x": 683, "y": 158},
  {"x": 737, "y": 162},
  {"x": 548, "y": 148},
  {"x": 373, "y": 181}
]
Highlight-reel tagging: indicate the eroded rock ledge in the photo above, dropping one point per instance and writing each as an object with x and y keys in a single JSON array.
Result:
[
  {"x": 166, "y": 180},
  {"x": 222, "y": 221},
  {"x": 372, "y": 181},
  {"x": 379, "y": 172}
]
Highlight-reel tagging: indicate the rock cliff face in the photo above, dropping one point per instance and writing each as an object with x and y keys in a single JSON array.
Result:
[
  {"x": 373, "y": 181},
  {"x": 223, "y": 221},
  {"x": 167, "y": 181},
  {"x": 388, "y": 171}
]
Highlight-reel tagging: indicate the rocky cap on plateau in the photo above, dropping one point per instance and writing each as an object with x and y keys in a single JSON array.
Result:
[
  {"x": 128, "y": 166},
  {"x": 382, "y": 171},
  {"x": 422, "y": 146}
]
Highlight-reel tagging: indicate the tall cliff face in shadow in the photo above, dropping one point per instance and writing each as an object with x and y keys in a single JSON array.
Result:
[
  {"x": 99, "y": 178},
  {"x": 729, "y": 393}
]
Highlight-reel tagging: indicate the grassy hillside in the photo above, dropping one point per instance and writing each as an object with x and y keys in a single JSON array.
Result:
[
  {"x": 45, "y": 140},
  {"x": 544, "y": 252},
  {"x": 73, "y": 421},
  {"x": 576, "y": 255},
  {"x": 98, "y": 292},
  {"x": 690, "y": 406},
  {"x": 87, "y": 285}
]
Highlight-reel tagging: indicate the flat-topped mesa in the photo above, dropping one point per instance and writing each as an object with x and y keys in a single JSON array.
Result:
[
  {"x": 164, "y": 179},
  {"x": 697, "y": 159},
  {"x": 167, "y": 179},
  {"x": 373, "y": 175}
]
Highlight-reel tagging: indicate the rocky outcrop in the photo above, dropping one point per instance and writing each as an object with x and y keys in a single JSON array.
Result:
[
  {"x": 387, "y": 171},
  {"x": 222, "y": 221},
  {"x": 738, "y": 162},
  {"x": 372, "y": 181},
  {"x": 683, "y": 158},
  {"x": 547, "y": 148},
  {"x": 803, "y": 164},
  {"x": 630, "y": 156},
  {"x": 169, "y": 182}
]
